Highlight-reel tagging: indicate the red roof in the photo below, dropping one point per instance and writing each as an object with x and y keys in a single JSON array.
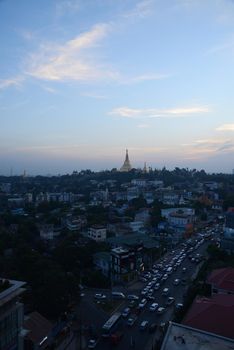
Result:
[
  {"x": 222, "y": 278},
  {"x": 215, "y": 315}
]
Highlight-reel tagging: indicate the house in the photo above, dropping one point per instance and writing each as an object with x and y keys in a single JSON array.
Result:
[
  {"x": 97, "y": 233},
  {"x": 222, "y": 281},
  {"x": 215, "y": 315}
]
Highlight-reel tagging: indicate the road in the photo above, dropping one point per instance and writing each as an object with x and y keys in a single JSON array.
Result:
[{"x": 91, "y": 314}]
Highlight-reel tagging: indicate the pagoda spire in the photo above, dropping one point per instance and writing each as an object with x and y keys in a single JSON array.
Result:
[{"x": 126, "y": 165}]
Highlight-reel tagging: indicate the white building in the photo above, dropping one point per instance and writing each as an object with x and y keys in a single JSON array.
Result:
[{"x": 97, "y": 233}]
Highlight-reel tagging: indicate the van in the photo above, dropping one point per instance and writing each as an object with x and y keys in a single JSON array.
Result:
[{"x": 117, "y": 295}]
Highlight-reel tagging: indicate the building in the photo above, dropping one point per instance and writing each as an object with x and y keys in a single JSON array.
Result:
[
  {"x": 126, "y": 165},
  {"x": 38, "y": 331},
  {"x": 179, "y": 337},
  {"x": 227, "y": 241},
  {"x": 11, "y": 315},
  {"x": 126, "y": 263},
  {"x": 215, "y": 315},
  {"x": 222, "y": 281},
  {"x": 97, "y": 233}
]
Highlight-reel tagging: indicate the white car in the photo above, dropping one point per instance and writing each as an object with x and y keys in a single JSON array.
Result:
[
  {"x": 153, "y": 307},
  {"x": 92, "y": 343},
  {"x": 160, "y": 310},
  {"x": 157, "y": 286},
  {"x": 100, "y": 296},
  {"x": 142, "y": 303}
]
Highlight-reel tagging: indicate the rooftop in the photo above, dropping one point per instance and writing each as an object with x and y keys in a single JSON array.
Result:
[
  {"x": 133, "y": 239},
  {"x": 222, "y": 278},
  {"x": 187, "y": 338},
  {"x": 13, "y": 289},
  {"x": 205, "y": 312}
]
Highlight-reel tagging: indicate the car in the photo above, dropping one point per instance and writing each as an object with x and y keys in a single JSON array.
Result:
[
  {"x": 157, "y": 286},
  {"x": 152, "y": 327},
  {"x": 170, "y": 301},
  {"x": 92, "y": 343},
  {"x": 165, "y": 291},
  {"x": 118, "y": 295},
  {"x": 184, "y": 269},
  {"x": 144, "y": 325},
  {"x": 160, "y": 310},
  {"x": 131, "y": 320},
  {"x": 179, "y": 306},
  {"x": 150, "y": 297},
  {"x": 176, "y": 282},
  {"x": 142, "y": 303},
  {"x": 132, "y": 297},
  {"x": 153, "y": 307},
  {"x": 126, "y": 312},
  {"x": 100, "y": 296},
  {"x": 132, "y": 304},
  {"x": 144, "y": 291}
]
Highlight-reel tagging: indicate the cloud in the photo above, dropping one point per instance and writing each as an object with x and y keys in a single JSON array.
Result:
[
  {"x": 143, "y": 77},
  {"x": 70, "y": 61},
  {"x": 94, "y": 95},
  {"x": 208, "y": 147},
  {"x": 11, "y": 82},
  {"x": 67, "y": 6},
  {"x": 127, "y": 112},
  {"x": 141, "y": 10},
  {"x": 143, "y": 126},
  {"x": 225, "y": 127}
]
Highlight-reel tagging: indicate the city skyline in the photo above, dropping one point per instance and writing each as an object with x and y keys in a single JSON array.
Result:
[{"x": 81, "y": 81}]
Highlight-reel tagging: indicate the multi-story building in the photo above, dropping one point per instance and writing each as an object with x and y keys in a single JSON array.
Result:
[
  {"x": 126, "y": 263},
  {"x": 11, "y": 315},
  {"x": 97, "y": 233}
]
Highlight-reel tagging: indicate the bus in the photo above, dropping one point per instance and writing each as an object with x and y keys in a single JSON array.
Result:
[{"x": 111, "y": 325}]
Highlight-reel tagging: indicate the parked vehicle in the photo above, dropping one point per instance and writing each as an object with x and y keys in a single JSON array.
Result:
[
  {"x": 126, "y": 312},
  {"x": 153, "y": 307},
  {"x": 142, "y": 303},
  {"x": 131, "y": 320}
]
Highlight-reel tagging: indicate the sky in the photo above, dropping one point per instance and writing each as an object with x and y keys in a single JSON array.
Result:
[{"x": 82, "y": 80}]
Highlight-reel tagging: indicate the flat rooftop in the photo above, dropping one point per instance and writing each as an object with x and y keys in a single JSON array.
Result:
[
  {"x": 14, "y": 289},
  {"x": 183, "y": 337}
]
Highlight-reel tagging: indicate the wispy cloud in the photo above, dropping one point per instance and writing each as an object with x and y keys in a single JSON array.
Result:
[
  {"x": 11, "y": 82},
  {"x": 226, "y": 127},
  {"x": 143, "y": 126},
  {"x": 141, "y": 10},
  {"x": 208, "y": 147},
  {"x": 94, "y": 95},
  {"x": 127, "y": 112},
  {"x": 71, "y": 61},
  {"x": 143, "y": 77},
  {"x": 67, "y": 6}
]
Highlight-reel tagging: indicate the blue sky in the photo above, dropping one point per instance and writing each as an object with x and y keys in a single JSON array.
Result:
[{"x": 82, "y": 80}]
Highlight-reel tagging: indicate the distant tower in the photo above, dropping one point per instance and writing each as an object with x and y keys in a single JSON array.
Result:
[
  {"x": 145, "y": 170},
  {"x": 126, "y": 165}
]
